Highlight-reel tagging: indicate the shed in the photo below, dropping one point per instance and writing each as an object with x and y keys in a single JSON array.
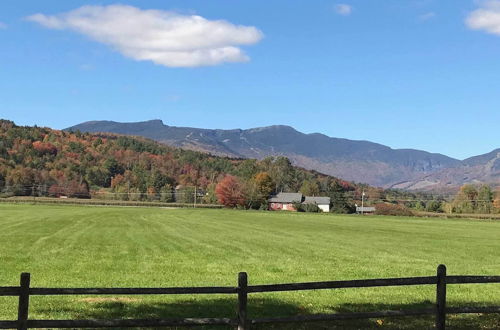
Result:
[{"x": 365, "y": 209}]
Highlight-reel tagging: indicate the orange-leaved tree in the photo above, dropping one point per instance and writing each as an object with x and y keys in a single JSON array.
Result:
[
  {"x": 230, "y": 192},
  {"x": 265, "y": 184},
  {"x": 496, "y": 202}
]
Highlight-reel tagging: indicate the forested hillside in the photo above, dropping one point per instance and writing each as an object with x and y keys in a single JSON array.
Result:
[
  {"x": 38, "y": 161},
  {"x": 360, "y": 161},
  {"x": 46, "y": 162}
]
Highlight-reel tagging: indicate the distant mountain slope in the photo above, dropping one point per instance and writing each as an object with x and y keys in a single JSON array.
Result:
[
  {"x": 359, "y": 161},
  {"x": 476, "y": 170}
]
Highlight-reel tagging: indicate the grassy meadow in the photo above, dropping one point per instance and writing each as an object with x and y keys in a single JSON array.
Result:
[{"x": 93, "y": 246}]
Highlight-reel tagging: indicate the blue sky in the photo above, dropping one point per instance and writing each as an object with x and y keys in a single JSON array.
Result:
[{"x": 421, "y": 74}]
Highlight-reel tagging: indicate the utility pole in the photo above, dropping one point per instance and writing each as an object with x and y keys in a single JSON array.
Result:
[
  {"x": 362, "y": 201},
  {"x": 196, "y": 185}
]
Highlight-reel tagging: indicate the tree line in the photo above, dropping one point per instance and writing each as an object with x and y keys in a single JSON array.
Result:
[{"x": 39, "y": 161}]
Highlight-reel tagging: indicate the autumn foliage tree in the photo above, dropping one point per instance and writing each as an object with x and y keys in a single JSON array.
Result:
[
  {"x": 496, "y": 202},
  {"x": 472, "y": 199},
  {"x": 56, "y": 190},
  {"x": 72, "y": 188},
  {"x": 44, "y": 148},
  {"x": 230, "y": 192},
  {"x": 265, "y": 184}
]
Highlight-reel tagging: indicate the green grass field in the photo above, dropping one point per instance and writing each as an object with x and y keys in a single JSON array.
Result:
[{"x": 78, "y": 246}]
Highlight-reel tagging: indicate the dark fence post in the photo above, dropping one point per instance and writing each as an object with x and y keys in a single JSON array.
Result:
[
  {"x": 441, "y": 298},
  {"x": 24, "y": 302},
  {"x": 242, "y": 301}
]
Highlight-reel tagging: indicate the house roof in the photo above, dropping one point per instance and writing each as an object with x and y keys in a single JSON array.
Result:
[
  {"x": 365, "y": 209},
  {"x": 286, "y": 198},
  {"x": 317, "y": 200}
]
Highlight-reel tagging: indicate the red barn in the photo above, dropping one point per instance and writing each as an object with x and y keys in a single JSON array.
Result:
[{"x": 284, "y": 201}]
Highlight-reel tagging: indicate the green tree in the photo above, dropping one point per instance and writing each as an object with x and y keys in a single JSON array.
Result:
[
  {"x": 76, "y": 147},
  {"x": 113, "y": 167},
  {"x": 210, "y": 196},
  {"x": 338, "y": 198},
  {"x": 158, "y": 180},
  {"x": 466, "y": 199},
  {"x": 310, "y": 188},
  {"x": 98, "y": 176},
  {"x": 485, "y": 198},
  {"x": 184, "y": 195},
  {"x": 2, "y": 181},
  {"x": 434, "y": 206},
  {"x": 254, "y": 199},
  {"x": 247, "y": 169},
  {"x": 281, "y": 172},
  {"x": 167, "y": 193}
]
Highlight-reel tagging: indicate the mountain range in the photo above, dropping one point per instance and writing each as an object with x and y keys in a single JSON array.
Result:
[{"x": 359, "y": 161}]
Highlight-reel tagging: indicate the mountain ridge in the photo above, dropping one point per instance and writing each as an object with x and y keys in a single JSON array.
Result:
[{"x": 354, "y": 160}]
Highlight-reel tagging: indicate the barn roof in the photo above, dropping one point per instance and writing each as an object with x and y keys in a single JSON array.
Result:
[
  {"x": 286, "y": 198},
  {"x": 317, "y": 200}
]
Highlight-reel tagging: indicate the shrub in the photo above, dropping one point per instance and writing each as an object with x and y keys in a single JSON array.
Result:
[
  {"x": 310, "y": 207},
  {"x": 56, "y": 191},
  {"x": 345, "y": 208},
  {"x": 392, "y": 209},
  {"x": 434, "y": 206}
]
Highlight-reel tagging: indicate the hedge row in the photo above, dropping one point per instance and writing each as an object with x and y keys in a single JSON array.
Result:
[
  {"x": 459, "y": 215},
  {"x": 74, "y": 201}
]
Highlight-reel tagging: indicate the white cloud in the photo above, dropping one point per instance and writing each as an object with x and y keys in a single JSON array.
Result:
[
  {"x": 486, "y": 18},
  {"x": 163, "y": 37},
  {"x": 427, "y": 16},
  {"x": 343, "y": 9},
  {"x": 3, "y": 26}
]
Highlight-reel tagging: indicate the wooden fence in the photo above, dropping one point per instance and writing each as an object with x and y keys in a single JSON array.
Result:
[{"x": 242, "y": 321}]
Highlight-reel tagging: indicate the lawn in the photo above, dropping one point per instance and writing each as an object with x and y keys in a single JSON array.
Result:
[{"x": 91, "y": 246}]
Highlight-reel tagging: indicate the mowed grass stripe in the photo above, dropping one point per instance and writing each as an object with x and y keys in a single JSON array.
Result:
[{"x": 78, "y": 246}]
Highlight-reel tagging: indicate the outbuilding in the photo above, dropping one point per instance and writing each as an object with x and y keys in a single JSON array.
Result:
[{"x": 365, "y": 209}]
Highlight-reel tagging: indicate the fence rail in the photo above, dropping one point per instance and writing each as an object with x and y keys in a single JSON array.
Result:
[{"x": 242, "y": 321}]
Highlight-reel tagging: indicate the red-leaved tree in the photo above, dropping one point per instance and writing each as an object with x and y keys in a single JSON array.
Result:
[
  {"x": 44, "y": 148},
  {"x": 230, "y": 192}
]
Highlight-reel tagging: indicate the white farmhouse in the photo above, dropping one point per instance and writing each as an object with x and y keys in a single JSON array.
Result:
[
  {"x": 286, "y": 201},
  {"x": 322, "y": 202}
]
